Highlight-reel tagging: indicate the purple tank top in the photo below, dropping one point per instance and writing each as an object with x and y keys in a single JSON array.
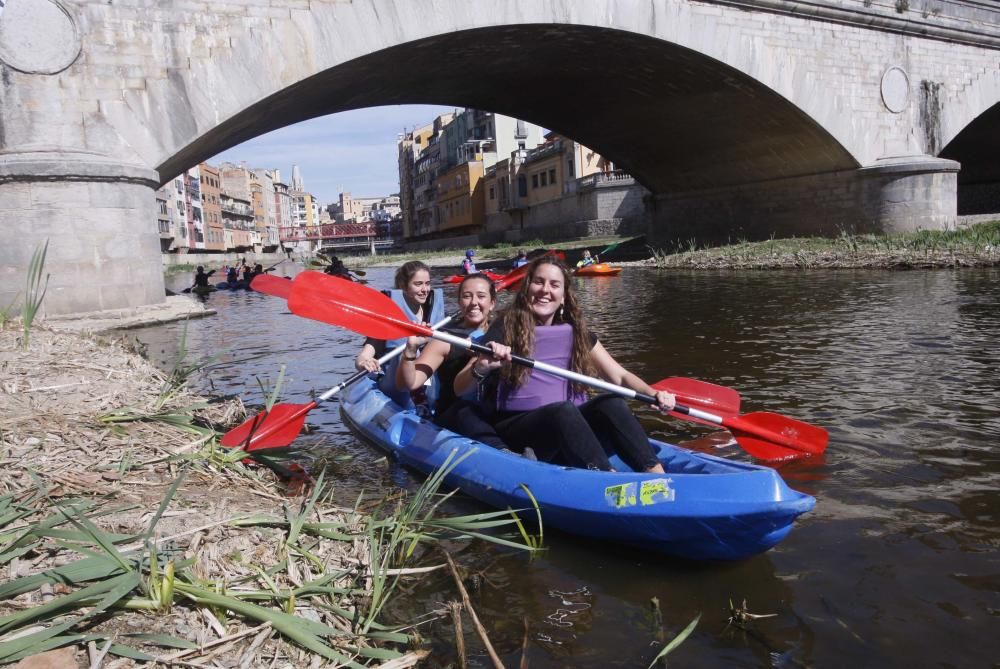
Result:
[{"x": 553, "y": 344}]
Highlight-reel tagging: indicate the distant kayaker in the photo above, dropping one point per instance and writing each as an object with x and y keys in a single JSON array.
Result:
[
  {"x": 200, "y": 278},
  {"x": 521, "y": 260},
  {"x": 548, "y": 413},
  {"x": 586, "y": 259},
  {"x": 336, "y": 268},
  {"x": 462, "y": 414},
  {"x": 421, "y": 304},
  {"x": 247, "y": 272},
  {"x": 469, "y": 265},
  {"x": 232, "y": 276}
]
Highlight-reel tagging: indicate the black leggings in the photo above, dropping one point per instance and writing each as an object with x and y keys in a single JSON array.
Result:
[
  {"x": 581, "y": 436},
  {"x": 470, "y": 419}
]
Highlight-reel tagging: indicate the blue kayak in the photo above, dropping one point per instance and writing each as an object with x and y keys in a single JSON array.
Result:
[{"x": 703, "y": 508}]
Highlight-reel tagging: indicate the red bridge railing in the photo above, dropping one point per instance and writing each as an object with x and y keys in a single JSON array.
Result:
[{"x": 328, "y": 231}]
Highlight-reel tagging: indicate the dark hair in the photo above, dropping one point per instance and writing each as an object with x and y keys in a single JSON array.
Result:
[
  {"x": 493, "y": 290},
  {"x": 481, "y": 277},
  {"x": 406, "y": 271},
  {"x": 519, "y": 325}
]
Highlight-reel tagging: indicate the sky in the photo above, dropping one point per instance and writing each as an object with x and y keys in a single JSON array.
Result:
[{"x": 353, "y": 151}]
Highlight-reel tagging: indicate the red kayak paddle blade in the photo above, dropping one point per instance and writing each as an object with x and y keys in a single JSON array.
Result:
[
  {"x": 703, "y": 395},
  {"x": 276, "y": 428},
  {"x": 513, "y": 279},
  {"x": 780, "y": 432},
  {"x": 272, "y": 285},
  {"x": 349, "y": 305},
  {"x": 762, "y": 449}
]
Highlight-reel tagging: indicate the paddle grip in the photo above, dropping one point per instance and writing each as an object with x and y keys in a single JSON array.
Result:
[{"x": 394, "y": 353}]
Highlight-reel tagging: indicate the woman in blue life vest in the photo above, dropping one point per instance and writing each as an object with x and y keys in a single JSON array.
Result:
[
  {"x": 550, "y": 414},
  {"x": 421, "y": 305},
  {"x": 476, "y": 299}
]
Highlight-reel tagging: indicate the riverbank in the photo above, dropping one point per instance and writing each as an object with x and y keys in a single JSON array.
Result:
[
  {"x": 128, "y": 535},
  {"x": 969, "y": 246},
  {"x": 973, "y": 246}
]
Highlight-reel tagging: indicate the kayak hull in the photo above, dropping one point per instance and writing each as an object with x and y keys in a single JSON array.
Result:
[
  {"x": 597, "y": 269},
  {"x": 704, "y": 508},
  {"x": 457, "y": 278}
]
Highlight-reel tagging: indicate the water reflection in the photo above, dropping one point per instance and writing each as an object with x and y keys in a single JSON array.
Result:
[{"x": 896, "y": 567}]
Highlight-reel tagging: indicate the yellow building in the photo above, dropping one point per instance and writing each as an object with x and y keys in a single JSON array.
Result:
[{"x": 460, "y": 199}]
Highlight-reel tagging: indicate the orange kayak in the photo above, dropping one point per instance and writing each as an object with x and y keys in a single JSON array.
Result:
[{"x": 597, "y": 269}]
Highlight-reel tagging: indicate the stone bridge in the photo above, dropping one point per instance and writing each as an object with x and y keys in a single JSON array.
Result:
[{"x": 744, "y": 118}]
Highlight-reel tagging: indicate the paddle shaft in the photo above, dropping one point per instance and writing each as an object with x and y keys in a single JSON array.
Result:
[
  {"x": 396, "y": 352},
  {"x": 733, "y": 422}
]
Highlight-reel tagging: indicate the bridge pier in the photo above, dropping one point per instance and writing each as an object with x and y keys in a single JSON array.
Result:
[
  {"x": 893, "y": 195},
  {"x": 98, "y": 216}
]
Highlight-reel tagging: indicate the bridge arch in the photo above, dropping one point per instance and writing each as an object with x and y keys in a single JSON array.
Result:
[
  {"x": 762, "y": 114},
  {"x": 971, "y": 136},
  {"x": 677, "y": 119}
]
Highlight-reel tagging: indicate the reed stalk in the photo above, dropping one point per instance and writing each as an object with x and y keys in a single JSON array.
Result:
[{"x": 34, "y": 291}]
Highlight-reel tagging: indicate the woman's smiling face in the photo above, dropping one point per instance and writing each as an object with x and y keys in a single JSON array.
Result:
[
  {"x": 419, "y": 286},
  {"x": 475, "y": 301},
  {"x": 546, "y": 292}
]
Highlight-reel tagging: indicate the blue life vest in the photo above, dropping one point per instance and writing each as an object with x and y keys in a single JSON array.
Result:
[{"x": 387, "y": 382}]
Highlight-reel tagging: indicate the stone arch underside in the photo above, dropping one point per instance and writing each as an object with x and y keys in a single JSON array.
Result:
[
  {"x": 677, "y": 119},
  {"x": 977, "y": 148}
]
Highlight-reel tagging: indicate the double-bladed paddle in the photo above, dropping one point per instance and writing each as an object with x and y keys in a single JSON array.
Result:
[
  {"x": 764, "y": 435},
  {"x": 281, "y": 425}
]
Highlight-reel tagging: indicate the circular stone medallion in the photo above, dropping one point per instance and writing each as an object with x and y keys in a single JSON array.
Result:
[
  {"x": 37, "y": 36},
  {"x": 895, "y": 89}
]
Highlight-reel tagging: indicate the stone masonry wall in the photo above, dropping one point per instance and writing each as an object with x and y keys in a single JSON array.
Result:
[{"x": 821, "y": 205}]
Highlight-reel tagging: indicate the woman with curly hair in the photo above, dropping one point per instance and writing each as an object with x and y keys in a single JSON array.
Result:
[{"x": 550, "y": 414}]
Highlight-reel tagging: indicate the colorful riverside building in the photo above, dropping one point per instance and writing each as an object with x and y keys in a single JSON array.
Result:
[
  {"x": 441, "y": 166},
  {"x": 559, "y": 189},
  {"x": 231, "y": 208},
  {"x": 211, "y": 190}
]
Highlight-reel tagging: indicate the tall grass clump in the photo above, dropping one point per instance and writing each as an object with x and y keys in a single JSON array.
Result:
[
  {"x": 317, "y": 575},
  {"x": 34, "y": 291}
]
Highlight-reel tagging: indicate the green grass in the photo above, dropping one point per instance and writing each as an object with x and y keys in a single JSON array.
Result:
[{"x": 934, "y": 247}]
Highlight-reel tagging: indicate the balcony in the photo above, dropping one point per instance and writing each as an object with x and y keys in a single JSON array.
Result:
[
  {"x": 543, "y": 151},
  {"x": 601, "y": 180}
]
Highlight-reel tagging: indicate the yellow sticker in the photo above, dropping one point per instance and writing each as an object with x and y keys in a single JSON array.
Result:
[
  {"x": 620, "y": 496},
  {"x": 656, "y": 490}
]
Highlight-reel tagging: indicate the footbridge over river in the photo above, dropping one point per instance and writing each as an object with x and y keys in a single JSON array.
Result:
[{"x": 742, "y": 117}]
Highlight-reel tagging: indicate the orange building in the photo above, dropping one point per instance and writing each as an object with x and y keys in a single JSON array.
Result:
[
  {"x": 211, "y": 190},
  {"x": 460, "y": 202}
]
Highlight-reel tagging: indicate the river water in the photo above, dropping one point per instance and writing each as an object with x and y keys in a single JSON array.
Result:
[{"x": 897, "y": 566}]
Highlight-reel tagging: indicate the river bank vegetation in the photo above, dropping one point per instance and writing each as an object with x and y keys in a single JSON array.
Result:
[
  {"x": 972, "y": 246},
  {"x": 129, "y": 536}
]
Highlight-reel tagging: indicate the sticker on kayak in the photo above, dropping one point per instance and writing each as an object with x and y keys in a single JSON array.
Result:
[{"x": 652, "y": 491}]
